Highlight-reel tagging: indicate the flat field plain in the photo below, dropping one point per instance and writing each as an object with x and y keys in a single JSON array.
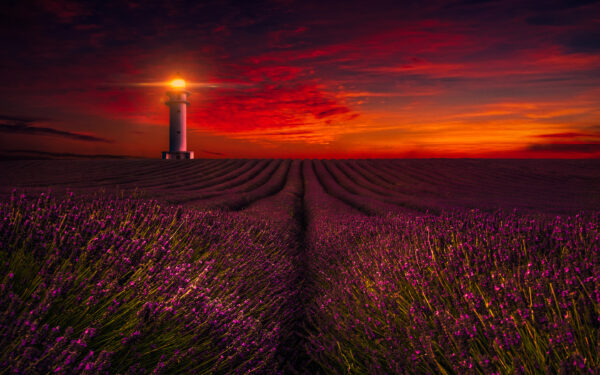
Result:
[{"x": 451, "y": 266}]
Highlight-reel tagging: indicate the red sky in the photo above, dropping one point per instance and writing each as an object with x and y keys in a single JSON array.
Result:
[{"x": 305, "y": 79}]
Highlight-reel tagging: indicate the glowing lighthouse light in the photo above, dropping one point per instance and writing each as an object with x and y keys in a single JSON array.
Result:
[
  {"x": 178, "y": 83},
  {"x": 177, "y": 102}
]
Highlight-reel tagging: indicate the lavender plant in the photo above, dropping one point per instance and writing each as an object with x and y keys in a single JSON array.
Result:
[
  {"x": 94, "y": 285},
  {"x": 464, "y": 292}
]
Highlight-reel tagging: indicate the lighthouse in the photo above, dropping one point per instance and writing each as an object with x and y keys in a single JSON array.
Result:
[{"x": 177, "y": 102}]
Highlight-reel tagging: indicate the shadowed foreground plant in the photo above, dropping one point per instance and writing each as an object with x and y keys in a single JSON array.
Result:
[
  {"x": 464, "y": 292},
  {"x": 91, "y": 285}
]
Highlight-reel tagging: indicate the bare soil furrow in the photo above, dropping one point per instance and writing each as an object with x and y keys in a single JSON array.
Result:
[
  {"x": 183, "y": 172},
  {"x": 330, "y": 184},
  {"x": 243, "y": 193},
  {"x": 243, "y": 171},
  {"x": 217, "y": 176},
  {"x": 211, "y": 171}
]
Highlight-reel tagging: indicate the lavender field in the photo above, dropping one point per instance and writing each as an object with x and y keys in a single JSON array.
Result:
[{"x": 314, "y": 266}]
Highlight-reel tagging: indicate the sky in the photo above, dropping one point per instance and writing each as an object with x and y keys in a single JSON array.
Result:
[{"x": 302, "y": 79}]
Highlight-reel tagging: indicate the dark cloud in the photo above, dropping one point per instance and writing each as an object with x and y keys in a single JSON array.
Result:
[
  {"x": 550, "y": 19},
  {"x": 586, "y": 42},
  {"x": 213, "y": 153},
  {"x": 15, "y": 125},
  {"x": 566, "y": 4},
  {"x": 568, "y": 135},
  {"x": 20, "y": 119},
  {"x": 294, "y": 132},
  {"x": 332, "y": 112},
  {"x": 581, "y": 148},
  {"x": 37, "y": 154},
  {"x": 65, "y": 11}
]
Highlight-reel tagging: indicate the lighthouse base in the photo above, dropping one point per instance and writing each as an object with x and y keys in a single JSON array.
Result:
[{"x": 178, "y": 155}]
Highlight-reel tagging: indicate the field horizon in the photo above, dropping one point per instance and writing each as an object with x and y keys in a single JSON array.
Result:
[{"x": 510, "y": 182}]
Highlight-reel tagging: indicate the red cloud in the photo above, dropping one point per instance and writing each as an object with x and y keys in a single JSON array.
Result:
[
  {"x": 266, "y": 107},
  {"x": 278, "y": 73}
]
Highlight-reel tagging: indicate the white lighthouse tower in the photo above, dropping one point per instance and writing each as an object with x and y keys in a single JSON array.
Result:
[{"x": 177, "y": 102}]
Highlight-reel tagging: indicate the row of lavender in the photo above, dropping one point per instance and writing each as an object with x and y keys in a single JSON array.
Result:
[
  {"x": 208, "y": 184},
  {"x": 464, "y": 292},
  {"x": 90, "y": 285},
  {"x": 460, "y": 291},
  {"x": 376, "y": 186}
]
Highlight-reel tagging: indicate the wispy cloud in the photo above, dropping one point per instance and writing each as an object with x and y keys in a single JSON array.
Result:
[
  {"x": 17, "y": 154},
  {"x": 569, "y": 135},
  {"x": 16, "y": 125},
  {"x": 582, "y": 148},
  {"x": 212, "y": 153}
]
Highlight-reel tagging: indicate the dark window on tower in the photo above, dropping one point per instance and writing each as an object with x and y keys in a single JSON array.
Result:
[{"x": 179, "y": 111}]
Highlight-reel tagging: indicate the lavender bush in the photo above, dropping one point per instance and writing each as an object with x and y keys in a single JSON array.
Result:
[
  {"x": 90, "y": 285},
  {"x": 464, "y": 292}
]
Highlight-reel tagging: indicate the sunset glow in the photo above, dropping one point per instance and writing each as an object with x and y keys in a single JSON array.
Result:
[{"x": 305, "y": 79}]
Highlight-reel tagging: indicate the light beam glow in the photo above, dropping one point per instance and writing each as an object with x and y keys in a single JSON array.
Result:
[{"x": 178, "y": 83}]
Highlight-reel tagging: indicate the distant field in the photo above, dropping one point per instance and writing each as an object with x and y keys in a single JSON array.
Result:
[
  {"x": 369, "y": 186},
  {"x": 315, "y": 266}
]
